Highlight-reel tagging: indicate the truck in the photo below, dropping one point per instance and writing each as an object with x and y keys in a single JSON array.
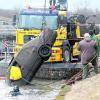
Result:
[
  {"x": 31, "y": 22},
  {"x": 35, "y": 36}
]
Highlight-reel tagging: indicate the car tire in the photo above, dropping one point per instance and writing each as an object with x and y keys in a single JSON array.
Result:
[{"x": 44, "y": 51}]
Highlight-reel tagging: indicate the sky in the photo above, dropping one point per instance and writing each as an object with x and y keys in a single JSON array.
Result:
[{"x": 72, "y": 4}]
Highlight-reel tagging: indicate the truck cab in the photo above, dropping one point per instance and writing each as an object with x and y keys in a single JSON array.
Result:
[{"x": 30, "y": 24}]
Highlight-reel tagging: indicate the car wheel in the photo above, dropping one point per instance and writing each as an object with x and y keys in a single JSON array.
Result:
[{"x": 44, "y": 51}]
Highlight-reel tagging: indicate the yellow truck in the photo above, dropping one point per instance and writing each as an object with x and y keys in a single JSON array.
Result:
[{"x": 30, "y": 24}]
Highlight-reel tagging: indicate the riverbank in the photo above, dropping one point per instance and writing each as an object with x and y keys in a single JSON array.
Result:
[
  {"x": 88, "y": 89},
  {"x": 68, "y": 92}
]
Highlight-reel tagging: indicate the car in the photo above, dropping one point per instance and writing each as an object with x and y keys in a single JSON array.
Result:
[{"x": 27, "y": 62}]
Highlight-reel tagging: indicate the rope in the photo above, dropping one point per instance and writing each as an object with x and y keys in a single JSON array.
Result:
[{"x": 73, "y": 77}]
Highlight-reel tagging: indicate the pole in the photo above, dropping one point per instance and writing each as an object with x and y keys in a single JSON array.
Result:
[{"x": 6, "y": 57}]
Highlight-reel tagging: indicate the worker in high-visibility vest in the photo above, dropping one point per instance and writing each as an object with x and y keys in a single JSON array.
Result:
[{"x": 95, "y": 38}]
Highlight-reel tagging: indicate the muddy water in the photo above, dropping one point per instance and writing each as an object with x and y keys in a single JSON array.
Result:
[{"x": 39, "y": 90}]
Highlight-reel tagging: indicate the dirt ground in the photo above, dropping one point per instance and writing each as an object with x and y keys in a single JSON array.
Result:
[{"x": 88, "y": 89}]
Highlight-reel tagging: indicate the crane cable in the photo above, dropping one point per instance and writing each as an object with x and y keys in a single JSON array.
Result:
[
  {"x": 44, "y": 18},
  {"x": 44, "y": 24}
]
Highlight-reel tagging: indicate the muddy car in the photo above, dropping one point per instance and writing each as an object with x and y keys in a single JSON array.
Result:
[{"x": 27, "y": 62}]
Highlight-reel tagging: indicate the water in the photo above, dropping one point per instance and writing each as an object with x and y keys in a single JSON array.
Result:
[{"x": 44, "y": 91}]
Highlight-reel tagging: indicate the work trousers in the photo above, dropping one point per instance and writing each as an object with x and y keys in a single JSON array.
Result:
[{"x": 86, "y": 73}]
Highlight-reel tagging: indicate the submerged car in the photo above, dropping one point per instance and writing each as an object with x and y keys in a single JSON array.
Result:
[{"x": 27, "y": 62}]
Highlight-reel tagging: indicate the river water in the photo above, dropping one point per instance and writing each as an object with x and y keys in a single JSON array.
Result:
[{"x": 39, "y": 90}]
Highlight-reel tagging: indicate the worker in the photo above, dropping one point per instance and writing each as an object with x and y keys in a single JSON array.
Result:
[
  {"x": 52, "y": 5},
  {"x": 87, "y": 49},
  {"x": 95, "y": 38},
  {"x": 52, "y": 2},
  {"x": 62, "y": 4},
  {"x": 71, "y": 30}
]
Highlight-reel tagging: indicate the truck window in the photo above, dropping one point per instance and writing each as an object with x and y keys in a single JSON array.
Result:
[{"x": 35, "y": 21}]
